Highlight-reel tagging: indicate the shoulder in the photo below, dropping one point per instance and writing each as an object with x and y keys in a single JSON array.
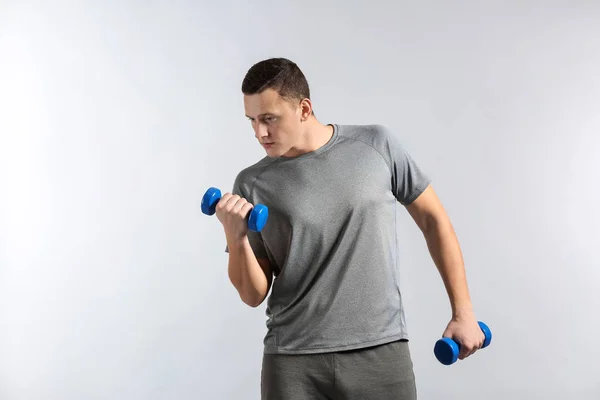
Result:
[
  {"x": 378, "y": 136},
  {"x": 246, "y": 177},
  {"x": 373, "y": 134}
]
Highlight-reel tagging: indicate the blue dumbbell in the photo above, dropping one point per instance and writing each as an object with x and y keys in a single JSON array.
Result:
[
  {"x": 446, "y": 350},
  {"x": 258, "y": 215}
]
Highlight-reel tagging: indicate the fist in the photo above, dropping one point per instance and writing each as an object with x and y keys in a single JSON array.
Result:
[
  {"x": 232, "y": 210},
  {"x": 465, "y": 331}
]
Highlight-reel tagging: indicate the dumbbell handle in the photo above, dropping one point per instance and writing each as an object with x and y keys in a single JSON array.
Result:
[
  {"x": 256, "y": 219},
  {"x": 446, "y": 350}
]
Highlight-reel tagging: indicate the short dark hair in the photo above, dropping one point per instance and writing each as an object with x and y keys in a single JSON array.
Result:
[{"x": 279, "y": 74}]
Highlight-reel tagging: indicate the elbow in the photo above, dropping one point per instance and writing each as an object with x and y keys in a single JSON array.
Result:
[
  {"x": 429, "y": 223},
  {"x": 249, "y": 295},
  {"x": 251, "y": 299},
  {"x": 253, "y": 302},
  {"x": 435, "y": 225}
]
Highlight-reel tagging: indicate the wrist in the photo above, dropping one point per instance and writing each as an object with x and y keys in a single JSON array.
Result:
[
  {"x": 462, "y": 311},
  {"x": 235, "y": 243}
]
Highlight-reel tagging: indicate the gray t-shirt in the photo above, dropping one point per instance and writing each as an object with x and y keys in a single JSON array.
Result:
[{"x": 331, "y": 239}]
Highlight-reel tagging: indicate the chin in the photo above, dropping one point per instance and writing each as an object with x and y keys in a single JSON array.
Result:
[{"x": 274, "y": 153}]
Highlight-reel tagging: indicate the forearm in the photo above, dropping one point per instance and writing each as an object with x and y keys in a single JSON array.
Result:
[
  {"x": 245, "y": 273},
  {"x": 446, "y": 253}
]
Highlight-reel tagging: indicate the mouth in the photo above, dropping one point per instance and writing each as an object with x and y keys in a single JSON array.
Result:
[{"x": 267, "y": 145}]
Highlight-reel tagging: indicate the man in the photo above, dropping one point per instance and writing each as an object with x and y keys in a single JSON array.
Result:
[{"x": 336, "y": 325}]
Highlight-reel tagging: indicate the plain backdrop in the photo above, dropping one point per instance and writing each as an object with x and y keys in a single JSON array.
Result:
[{"x": 116, "y": 116}]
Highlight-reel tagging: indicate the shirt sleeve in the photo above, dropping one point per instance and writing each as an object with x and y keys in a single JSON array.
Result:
[{"x": 409, "y": 180}]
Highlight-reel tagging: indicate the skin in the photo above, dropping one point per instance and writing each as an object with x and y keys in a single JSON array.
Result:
[
  {"x": 293, "y": 129},
  {"x": 289, "y": 125}
]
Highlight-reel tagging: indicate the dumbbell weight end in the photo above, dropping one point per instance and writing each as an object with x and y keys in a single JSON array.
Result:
[{"x": 210, "y": 200}]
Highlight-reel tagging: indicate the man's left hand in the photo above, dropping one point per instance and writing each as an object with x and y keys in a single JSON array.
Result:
[{"x": 464, "y": 329}]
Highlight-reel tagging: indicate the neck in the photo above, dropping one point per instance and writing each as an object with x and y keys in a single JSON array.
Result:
[{"x": 316, "y": 135}]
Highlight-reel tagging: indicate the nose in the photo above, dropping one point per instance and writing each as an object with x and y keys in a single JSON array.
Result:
[{"x": 260, "y": 131}]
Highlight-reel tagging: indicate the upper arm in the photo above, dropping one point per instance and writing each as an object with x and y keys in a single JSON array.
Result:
[
  {"x": 265, "y": 265},
  {"x": 427, "y": 209}
]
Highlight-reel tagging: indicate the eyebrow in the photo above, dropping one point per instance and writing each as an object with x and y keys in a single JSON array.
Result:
[{"x": 261, "y": 115}]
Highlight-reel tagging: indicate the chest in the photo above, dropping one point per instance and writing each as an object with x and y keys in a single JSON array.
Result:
[{"x": 317, "y": 192}]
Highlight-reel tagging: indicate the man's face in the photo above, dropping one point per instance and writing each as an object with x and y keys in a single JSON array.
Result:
[{"x": 276, "y": 122}]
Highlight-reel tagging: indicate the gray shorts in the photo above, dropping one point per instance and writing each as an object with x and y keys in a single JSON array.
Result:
[{"x": 380, "y": 373}]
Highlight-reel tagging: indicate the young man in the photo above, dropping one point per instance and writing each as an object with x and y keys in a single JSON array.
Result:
[{"x": 336, "y": 325}]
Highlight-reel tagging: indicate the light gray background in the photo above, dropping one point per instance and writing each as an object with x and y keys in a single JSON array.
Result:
[{"x": 116, "y": 117}]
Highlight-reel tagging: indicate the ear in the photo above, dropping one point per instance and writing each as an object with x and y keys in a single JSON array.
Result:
[{"x": 305, "y": 109}]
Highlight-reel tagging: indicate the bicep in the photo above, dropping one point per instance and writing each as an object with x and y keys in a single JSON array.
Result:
[
  {"x": 427, "y": 209},
  {"x": 265, "y": 265}
]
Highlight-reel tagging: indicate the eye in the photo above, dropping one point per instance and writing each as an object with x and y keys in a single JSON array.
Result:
[{"x": 269, "y": 119}]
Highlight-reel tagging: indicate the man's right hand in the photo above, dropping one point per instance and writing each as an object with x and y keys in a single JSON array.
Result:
[{"x": 232, "y": 210}]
